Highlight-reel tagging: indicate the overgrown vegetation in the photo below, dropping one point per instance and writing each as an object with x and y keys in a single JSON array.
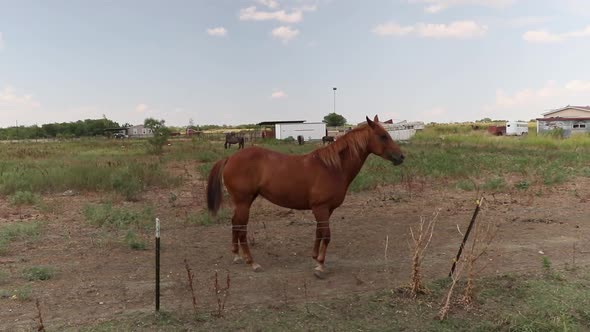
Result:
[
  {"x": 105, "y": 215},
  {"x": 24, "y": 231},
  {"x": 452, "y": 154},
  {"x": 38, "y": 273}
]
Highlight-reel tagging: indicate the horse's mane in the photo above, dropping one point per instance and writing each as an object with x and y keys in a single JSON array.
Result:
[{"x": 355, "y": 141}]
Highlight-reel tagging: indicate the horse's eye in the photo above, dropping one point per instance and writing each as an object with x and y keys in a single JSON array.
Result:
[{"x": 383, "y": 137}]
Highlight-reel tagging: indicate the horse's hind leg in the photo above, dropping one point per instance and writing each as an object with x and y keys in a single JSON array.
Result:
[
  {"x": 240, "y": 232},
  {"x": 322, "y": 239}
]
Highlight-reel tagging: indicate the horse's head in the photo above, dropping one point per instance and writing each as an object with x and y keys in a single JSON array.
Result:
[{"x": 381, "y": 144}]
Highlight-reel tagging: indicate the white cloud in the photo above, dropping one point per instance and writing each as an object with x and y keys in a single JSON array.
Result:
[
  {"x": 544, "y": 36},
  {"x": 272, "y": 4},
  {"x": 435, "y": 6},
  {"x": 392, "y": 29},
  {"x": 251, "y": 14},
  {"x": 518, "y": 22},
  {"x": 9, "y": 97},
  {"x": 278, "y": 95},
  {"x": 141, "y": 108},
  {"x": 457, "y": 29},
  {"x": 309, "y": 8},
  {"x": 218, "y": 32},
  {"x": 531, "y": 102},
  {"x": 284, "y": 33}
]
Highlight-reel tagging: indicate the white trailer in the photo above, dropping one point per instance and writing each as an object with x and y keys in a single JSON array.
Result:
[
  {"x": 517, "y": 128},
  {"x": 309, "y": 130}
]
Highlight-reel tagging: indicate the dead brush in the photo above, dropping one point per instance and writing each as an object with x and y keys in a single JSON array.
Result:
[
  {"x": 485, "y": 233},
  {"x": 446, "y": 307},
  {"x": 221, "y": 294},
  {"x": 190, "y": 277},
  {"x": 40, "y": 327},
  {"x": 421, "y": 239}
]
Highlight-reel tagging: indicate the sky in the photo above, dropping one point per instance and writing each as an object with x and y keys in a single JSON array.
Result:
[{"x": 246, "y": 61}]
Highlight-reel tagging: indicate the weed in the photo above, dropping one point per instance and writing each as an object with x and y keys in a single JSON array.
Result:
[
  {"x": 106, "y": 215},
  {"x": 172, "y": 199},
  {"x": 522, "y": 185},
  {"x": 494, "y": 184},
  {"x": 3, "y": 277},
  {"x": 18, "y": 231},
  {"x": 546, "y": 263},
  {"x": 467, "y": 185},
  {"x": 133, "y": 241},
  {"x": 205, "y": 219},
  {"x": 25, "y": 197},
  {"x": 38, "y": 273}
]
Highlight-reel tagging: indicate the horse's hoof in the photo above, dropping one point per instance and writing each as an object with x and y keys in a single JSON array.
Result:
[
  {"x": 319, "y": 274},
  {"x": 238, "y": 260},
  {"x": 256, "y": 267}
]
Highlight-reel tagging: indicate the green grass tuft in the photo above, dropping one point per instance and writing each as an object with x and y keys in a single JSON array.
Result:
[
  {"x": 38, "y": 273},
  {"x": 18, "y": 231}
]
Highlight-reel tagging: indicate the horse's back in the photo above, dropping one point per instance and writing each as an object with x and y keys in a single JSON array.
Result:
[{"x": 281, "y": 178}]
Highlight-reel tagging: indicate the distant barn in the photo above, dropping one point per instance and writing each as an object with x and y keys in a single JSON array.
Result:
[
  {"x": 285, "y": 129},
  {"x": 571, "y": 119}
]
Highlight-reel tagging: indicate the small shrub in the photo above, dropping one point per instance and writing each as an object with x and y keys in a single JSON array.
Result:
[
  {"x": 21, "y": 293},
  {"x": 18, "y": 231},
  {"x": 3, "y": 276},
  {"x": 494, "y": 184},
  {"x": 133, "y": 241},
  {"x": 204, "y": 218},
  {"x": 466, "y": 185},
  {"x": 546, "y": 263},
  {"x": 106, "y": 215},
  {"x": 38, "y": 273},
  {"x": 522, "y": 185},
  {"x": 20, "y": 198},
  {"x": 127, "y": 185},
  {"x": 207, "y": 156}
]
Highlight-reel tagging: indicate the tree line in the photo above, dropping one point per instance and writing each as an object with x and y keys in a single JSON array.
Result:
[{"x": 80, "y": 128}]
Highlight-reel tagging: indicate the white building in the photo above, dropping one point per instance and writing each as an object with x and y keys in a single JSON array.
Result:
[
  {"x": 139, "y": 131},
  {"x": 309, "y": 130}
]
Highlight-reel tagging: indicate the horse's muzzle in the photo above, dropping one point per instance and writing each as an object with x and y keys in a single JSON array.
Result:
[{"x": 397, "y": 159}]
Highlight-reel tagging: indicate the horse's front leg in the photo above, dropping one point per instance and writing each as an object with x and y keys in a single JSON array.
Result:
[{"x": 322, "y": 239}]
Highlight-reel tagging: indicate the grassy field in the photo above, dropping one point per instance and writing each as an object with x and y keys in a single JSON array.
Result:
[{"x": 455, "y": 157}]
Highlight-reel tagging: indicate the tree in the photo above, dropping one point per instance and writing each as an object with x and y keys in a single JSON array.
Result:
[
  {"x": 161, "y": 134},
  {"x": 334, "y": 120}
]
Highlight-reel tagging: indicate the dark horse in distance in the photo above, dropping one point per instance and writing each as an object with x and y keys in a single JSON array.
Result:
[
  {"x": 231, "y": 138},
  {"x": 315, "y": 181}
]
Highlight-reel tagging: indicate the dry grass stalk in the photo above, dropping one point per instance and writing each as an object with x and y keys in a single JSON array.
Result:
[
  {"x": 190, "y": 276},
  {"x": 444, "y": 310},
  {"x": 485, "y": 233},
  {"x": 41, "y": 327},
  {"x": 306, "y": 297},
  {"x": 221, "y": 294},
  {"x": 421, "y": 241}
]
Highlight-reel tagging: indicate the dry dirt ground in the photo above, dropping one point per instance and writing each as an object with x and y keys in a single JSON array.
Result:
[{"x": 99, "y": 277}]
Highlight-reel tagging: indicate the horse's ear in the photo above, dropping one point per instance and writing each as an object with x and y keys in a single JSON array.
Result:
[
  {"x": 376, "y": 119},
  {"x": 371, "y": 123}
]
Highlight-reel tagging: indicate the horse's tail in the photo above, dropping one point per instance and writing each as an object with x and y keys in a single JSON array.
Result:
[{"x": 214, "y": 187}]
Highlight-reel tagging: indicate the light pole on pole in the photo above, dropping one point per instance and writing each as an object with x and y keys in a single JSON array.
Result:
[{"x": 334, "y": 99}]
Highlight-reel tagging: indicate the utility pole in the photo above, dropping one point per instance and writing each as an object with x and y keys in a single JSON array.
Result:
[{"x": 334, "y": 99}]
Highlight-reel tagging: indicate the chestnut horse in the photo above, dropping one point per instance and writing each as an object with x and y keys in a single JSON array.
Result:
[{"x": 315, "y": 181}]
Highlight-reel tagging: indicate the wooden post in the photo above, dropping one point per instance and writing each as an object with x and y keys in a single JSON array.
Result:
[
  {"x": 479, "y": 201},
  {"x": 157, "y": 265}
]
